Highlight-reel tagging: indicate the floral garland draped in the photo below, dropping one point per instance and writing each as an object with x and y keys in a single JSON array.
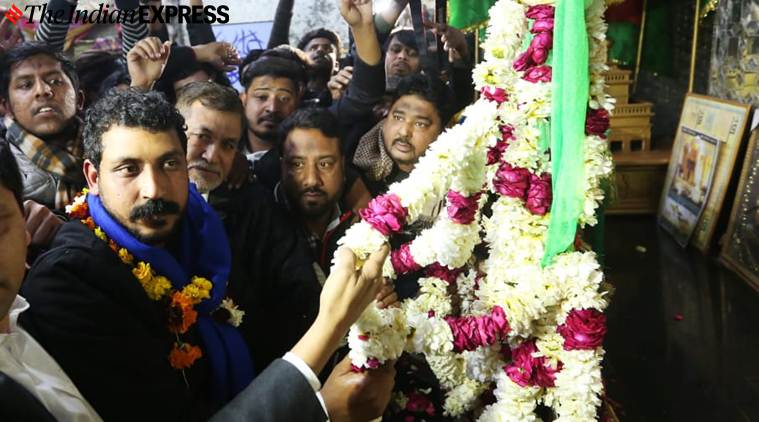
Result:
[{"x": 532, "y": 330}]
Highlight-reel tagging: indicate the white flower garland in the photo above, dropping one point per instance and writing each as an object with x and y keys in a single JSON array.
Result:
[{"x": 535, "y": 299}]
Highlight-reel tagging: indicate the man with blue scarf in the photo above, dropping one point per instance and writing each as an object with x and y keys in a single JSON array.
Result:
[{"x": 89, "y": 308}]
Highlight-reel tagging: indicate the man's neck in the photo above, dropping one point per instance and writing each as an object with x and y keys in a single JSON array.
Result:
[
  {"x": 5, "y": 324},
  {"x": 318, "y": 225},
  {"x": 256, "y": 144}
]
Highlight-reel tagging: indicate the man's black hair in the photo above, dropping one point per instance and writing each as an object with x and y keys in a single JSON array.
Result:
[
  {"x": 406, "y": 37},
  {"x": 131, "y": 108},
  {"x": 431, "y": 89},
  {"x": 10, "y": 177},
  {"x": 333, "y": 38},
  {"x": 318, "y": 118},
  {"x": 93, "y": 68},
  {"x": 29, "y": 49},
  {"x": 277, "y": 65},
  {"x": 252, "y": 56}
]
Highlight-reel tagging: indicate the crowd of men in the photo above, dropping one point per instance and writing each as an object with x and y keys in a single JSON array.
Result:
[{"x": 186, "y": 177}]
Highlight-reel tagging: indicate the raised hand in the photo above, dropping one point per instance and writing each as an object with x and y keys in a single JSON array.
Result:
[
  {"x": 358, "y": 396},
  {"x": 10, "y": 35},
  {"x": 146, "y": 61},
  {"x": 339, "y": 82},
  {"x": 222, "y": 55},
  {"x": 357, "y": 12}
]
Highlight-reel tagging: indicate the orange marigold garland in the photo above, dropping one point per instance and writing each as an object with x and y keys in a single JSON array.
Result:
[{"x": 181, "y": 303}]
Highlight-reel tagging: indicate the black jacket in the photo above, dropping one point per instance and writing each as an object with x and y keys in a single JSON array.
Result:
[
  {"x": 272, "y": 276},
  {"x": 93, "y": 317}
]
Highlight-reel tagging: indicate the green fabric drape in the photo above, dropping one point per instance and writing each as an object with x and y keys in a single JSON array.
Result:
[
  {"x": 570, "y": 101},
  {"x": 465, "y": 13}
]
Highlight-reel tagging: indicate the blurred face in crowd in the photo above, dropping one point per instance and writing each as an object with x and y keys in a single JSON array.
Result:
[
  {"x": 142, "y": 181},
  {"x": 41, "y": 98},
  {"x": 212, "y": 138},
  {"x": 14, "y": 239},
  {"x": 312, "y": 171},
  {"x": 321, "y": 50},
  {"x": 268, "y": 101},
  {"x": 410, "y": 127},
  {"x": 400, "y": 59}
]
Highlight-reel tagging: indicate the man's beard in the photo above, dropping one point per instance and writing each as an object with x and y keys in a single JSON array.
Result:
[{"x": 202, "y": 184}]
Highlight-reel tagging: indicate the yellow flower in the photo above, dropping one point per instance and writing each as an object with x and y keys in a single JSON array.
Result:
[
  {"x": 143, "y": 272},
  {"x": 199, "y": 289},
  {"x": 125, "y": 256},
  {"x": 157, "y": 287},
  {"x": 100, "y": 234}
]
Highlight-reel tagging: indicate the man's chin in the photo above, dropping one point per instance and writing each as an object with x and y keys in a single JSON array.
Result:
[{"x": 204, "y": 185}]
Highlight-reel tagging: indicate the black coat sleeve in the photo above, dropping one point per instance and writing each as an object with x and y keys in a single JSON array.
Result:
[
  {"x": 280, "y": 393},
  {"x": 363, "y": 93},
  {"x": 280, "y": 29}
]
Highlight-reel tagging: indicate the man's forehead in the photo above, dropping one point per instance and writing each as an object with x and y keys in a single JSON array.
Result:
[
  {"x": 396, "y": 41},
  {"x": 272, "y": 83},
  {"x": 120, "y": 142},
  {"x": 204, "y": 118},
  {"x": 415, "y": 104},
  {"x": 35, "y": 64},
  {"x": 310, "y": 140},
  {"x": 318, "y": 41}
]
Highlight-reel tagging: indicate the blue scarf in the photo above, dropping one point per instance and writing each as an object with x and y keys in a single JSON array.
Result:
[{"x": 203, "y": 250}]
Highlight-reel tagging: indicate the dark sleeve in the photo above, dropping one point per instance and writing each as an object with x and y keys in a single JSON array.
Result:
[
  {"x": 364, "y": 92},
  {"x": 280, "y": 393},
  {"x": 53, "y": 32},
  {"x": 98, "y": 339},
  {"x": 280, "y": 30},
  {"x": 462, "y": 86},
  {"x": 132, "y": 30},
  {"x": 178, "y": 59},
  {"x": 200, "y": 33}
]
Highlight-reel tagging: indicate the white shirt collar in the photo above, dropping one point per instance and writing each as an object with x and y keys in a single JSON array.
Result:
[{"x": 19, "y": 305}]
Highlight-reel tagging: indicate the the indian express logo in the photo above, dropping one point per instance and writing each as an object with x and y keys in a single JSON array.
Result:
[{"x": 144, "y": 14}]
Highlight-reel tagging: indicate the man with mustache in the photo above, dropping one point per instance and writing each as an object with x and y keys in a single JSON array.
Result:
[
  {"x": 388, "y": 152},
  {"x": 126, "y": 299},
  {"x": 39, "y": 89},
  {"x": 271, "y": 276},
  {"x": 322, "y": 46}
]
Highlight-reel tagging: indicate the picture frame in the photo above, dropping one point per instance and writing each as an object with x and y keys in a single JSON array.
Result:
[
  {"x": 740, "y": 245},
  {"x": 695, "y": 185}
]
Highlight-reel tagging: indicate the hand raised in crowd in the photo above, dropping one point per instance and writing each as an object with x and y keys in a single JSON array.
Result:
[
  {"x": 358, "y": 396},
  {"x": 345, "y": 295},
  {"x": 10, "y": 35},
  {"x": 387, "y": 297},
  {"x": 41, "y": 223},
  {"x": 222, "y": 55},
  {"x": 146, "y": 61},
  {"x": 339, "y": 82},
  {"x": 454, "y": 41},
  {"x": 357, "y": 12}
]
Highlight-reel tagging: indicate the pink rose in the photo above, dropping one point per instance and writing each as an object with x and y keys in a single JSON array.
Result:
[
  {"x": 524, "y": 61},
  {"x": 522, "y": 364},
  {"x": 495, "y": 94},
  {"x": 418, "y": 402},
  {"x": 469, "y": 333},
  {"x": 402, "y": 260},
  {"x": 507, "y": 133},
  {"x": 539, "y": 195},
  {"x": 542, "y": 25},
  {"x": 543, "y": 11},
  {"x": 584, "y": 329},
  {"x": 461, "y": 209},
  {"x": 543, "y": 40},
  {"x": 442, "y": 272},
  {"x": 385, "y": 213},
  {"x": 526, "y": 370},
  {"x": 538, "y": 74},
  {"x": 597, "y": 122},
  {"x": 539, "y": 55},
  {"x": 511, "y": 181},
  {"x": 496, "y": 152}
]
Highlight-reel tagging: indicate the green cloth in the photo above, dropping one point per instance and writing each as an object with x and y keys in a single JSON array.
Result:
[
  {"x": 624, "y": 43},
  {"x": 570, "y": 101},
  {"x": 465, "y": 13}
]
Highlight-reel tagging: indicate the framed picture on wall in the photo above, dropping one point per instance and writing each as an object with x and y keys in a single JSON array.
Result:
[
  {"x": 703, "y": 157},
  {"x": 740, "y": 250}
]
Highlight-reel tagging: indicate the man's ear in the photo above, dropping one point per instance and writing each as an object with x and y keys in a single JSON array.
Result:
[
  {"x": 79, "y": 100},
  {"x": 244, "y": 96},
  {"x": 93, "y": 176}
]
